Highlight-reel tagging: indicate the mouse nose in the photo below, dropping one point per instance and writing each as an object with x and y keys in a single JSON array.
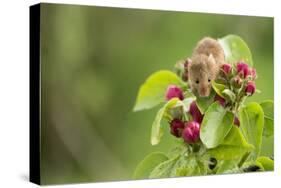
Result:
[{"x": 203, "y": 92}]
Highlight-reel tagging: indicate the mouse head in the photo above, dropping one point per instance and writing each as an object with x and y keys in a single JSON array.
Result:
[{"x": 201, "y": 71}]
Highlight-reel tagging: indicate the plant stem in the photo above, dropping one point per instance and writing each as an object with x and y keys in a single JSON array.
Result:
[{"x": 243, "y": 159}]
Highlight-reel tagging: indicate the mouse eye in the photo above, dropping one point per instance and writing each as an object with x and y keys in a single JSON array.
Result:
[
  {"x": 209, "y": 80},
  {"x": 197, "y": 82}
]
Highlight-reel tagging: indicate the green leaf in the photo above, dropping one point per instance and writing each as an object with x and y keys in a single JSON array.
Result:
[
  {"x": 182, "y": 165},
  {"x": 188, "y": 165},
  {"x": 203, "y": 169},
  {"x": 228, "y": 94},
  {"x": 180, "y": 147},
  {"x": 268, "y": 109},
  {"x": 266, "y": 162},
  {"x": 267, "y": 146},
  {"x": 219, "y": 88},
  {"x": 188, "y": 101},
  {"x": 227, "y": 152},
  {"x": 250, "y": 164},
  {"x": 146, "y": 166},
  {"x": 163, "y": 170},
  {"x": 228, "y": 166},
  {"x": 157, "y": 130},
  {"x": 234, "y": 146},
  {"x": 251, "y": 122},
  {"x": 236, "y": 49},
  {"x": 203, "y": 103},
  {"x": 181, "y": 108},
  {"x": 216, "y": 123},
  {"x": 152, "y": 92}
]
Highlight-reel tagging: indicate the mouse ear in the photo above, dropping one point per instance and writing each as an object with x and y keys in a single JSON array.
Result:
[{"x": 187, "y": 62}]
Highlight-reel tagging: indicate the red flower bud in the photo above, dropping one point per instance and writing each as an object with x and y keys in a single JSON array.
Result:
[
  {"x": 220, "y": 100},
  {"x": 243, "y": 69},
  {"x": 250, "y": 88},
  {"x": 174, "y": 91},
  {"x": 176, "y": 127},
  {"x": 226, "y": 68},
  {"x": 195, "y": 112},
  {"x": 191, "y": 132},
  {"x": 236, "y": 121}
]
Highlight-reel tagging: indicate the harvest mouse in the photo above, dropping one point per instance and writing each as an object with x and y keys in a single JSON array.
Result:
[{"x": 204, "y": 65}]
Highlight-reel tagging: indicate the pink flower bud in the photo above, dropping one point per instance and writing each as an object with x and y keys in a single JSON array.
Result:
[
  {"x": 176, "y": 127},
  {"x": 174, "y": 91},
  {"x": 241, "y": 66},
  {"x": 250, "y": 88},
  {"x": 236, "y": 121},
  {"x": 226, "y": 68},
  {"x": 243, "y": 69},
  {"x": 220, "y": 100},
  {"x": 195, "y": 112},
  {"x": 191, "y": 132},
  {"x": 236, "y": 82},
  {"x": 253, "y": 73}
]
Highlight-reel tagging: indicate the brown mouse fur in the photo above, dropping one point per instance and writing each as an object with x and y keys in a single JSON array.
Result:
[{"x": 204, "y": 66}]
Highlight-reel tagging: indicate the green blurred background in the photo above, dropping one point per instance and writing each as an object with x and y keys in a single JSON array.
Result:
[{"x": 93, "y": 61}]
